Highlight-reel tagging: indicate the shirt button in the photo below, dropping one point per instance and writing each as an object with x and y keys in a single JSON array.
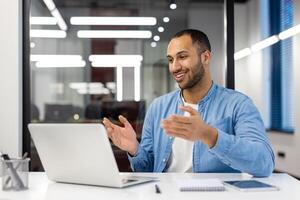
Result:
[
  {"x": 170, "y": 137},
  {"x": 164, "y": 160}
]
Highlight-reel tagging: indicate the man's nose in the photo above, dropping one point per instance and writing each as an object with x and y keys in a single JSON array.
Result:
[{"x": 175, "y": 66}]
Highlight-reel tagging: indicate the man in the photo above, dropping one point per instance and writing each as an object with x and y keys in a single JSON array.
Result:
[{"x": 202, "y": 127}]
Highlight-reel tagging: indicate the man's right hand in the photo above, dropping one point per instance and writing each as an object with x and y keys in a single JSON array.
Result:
[{"x": 122, "y": 137}]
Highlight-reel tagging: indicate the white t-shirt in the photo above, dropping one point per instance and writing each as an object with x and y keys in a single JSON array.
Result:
[{"x": 181, "y": 159}]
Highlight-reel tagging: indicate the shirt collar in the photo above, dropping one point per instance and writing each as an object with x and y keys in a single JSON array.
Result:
[{"x": 210, "y": 93}]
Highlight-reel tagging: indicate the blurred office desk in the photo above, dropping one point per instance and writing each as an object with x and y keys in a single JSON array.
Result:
[{"x": 40, "y": 188}]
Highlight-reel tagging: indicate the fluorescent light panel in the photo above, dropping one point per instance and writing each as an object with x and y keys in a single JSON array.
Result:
[
  {"x": 242, "y": 53},
  {"x": 50, "y": 4},
  {"x": 114, "y": 64},
  {"x": 114, "y": 34},
  {"x": 265, "y": 43},
  {"x": 60, "y": 21},
  {"x": 52, "y": 57},
  {"x": 84, "y": 85},
  {"x": 56, "y": 14},
  {"x": 38, "y": 33},
  {"x": 268, "y": 42},
  {"x": 115, "y": 60},
  {"x": 126, "y": 58},
  {"x": 43, "y": 21},
  {"x": 128, "y": 21},
  {"x": 289, "y": 32},
  {"x": 60, "y": 64},
  {"x": 93, "y": 91}
]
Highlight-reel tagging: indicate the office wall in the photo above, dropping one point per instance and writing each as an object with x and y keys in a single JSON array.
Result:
[
  {"x": 198, "y": 16},
  {"x": 11, "y": 76}
]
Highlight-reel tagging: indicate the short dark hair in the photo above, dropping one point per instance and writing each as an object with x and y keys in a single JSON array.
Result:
[{"x": 197, "y": 37}]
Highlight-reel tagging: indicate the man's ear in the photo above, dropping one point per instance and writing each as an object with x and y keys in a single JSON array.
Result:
[{"x": 205, "y": 57}]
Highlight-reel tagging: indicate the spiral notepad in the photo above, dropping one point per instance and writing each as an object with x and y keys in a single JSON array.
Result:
[{"x": 201, "y": 185}]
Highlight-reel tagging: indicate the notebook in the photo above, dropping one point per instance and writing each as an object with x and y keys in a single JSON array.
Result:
[{"x": 200, "y": 185}]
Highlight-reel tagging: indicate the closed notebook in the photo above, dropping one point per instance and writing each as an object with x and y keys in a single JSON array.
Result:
[{"x": 200, "y": 185}]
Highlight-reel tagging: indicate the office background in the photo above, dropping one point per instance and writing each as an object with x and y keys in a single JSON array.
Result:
[{"x": 56, "y": 95}]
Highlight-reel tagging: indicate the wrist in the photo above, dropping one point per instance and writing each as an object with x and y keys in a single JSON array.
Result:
[
  {"x": 133, "y": 152},
  {"x": 211, "y": 136}
]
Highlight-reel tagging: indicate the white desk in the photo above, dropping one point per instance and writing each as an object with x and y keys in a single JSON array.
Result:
[{"x": 41, "y": 188}]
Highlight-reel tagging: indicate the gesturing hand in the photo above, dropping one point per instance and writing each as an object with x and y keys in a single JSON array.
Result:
[
  {"x": 190, "y": 128},
  {"x": 122, "y": 137}
]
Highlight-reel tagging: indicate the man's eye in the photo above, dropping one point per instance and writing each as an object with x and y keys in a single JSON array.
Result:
[
  {"x": 183, "y": 57},
  {"x": 170, "y": 60}
]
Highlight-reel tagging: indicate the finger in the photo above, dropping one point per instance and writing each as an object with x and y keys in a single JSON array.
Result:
[
  {"x": 178, "y": 130},
  {"x": 109, "y": 132},
  {"x": 108, "y": 123},
  {"x": 181, "y": 119},
  {"x": 124, "y": 121},
  {"x": 189, "y": 109},
  {"x": 175, "y": 134},
  {"x": 171, "y": 124}
]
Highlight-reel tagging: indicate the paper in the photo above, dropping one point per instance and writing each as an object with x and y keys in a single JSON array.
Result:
[{"x": 200, "y": 185}]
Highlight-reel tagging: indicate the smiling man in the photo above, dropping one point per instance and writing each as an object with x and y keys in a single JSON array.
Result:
[{"x": 202, "y": 127}]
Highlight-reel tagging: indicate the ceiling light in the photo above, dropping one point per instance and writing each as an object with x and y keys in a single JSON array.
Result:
[
  {"x": 93, "y": 91},
  {"x": 32, "y": 44},
  {"x": 116, "y": 60},
  {"x": 124, "y": 58},
  {"x": 53, "y": 57},
  {"x": 54, "y": 64},
  {"x": 111, "y": 85},
  {"x": 50, "y": 5},
  {"x": 43, "y": 21},
  {"x": 38, "y": 33},
  {"x": 166, "y": 19},
  {"x": 153, "y": 44},
  {"x": 114, "y": 34},
  {"x": 160, "y": 29},
  {"x": 143, "y": 21},
  {"x": 289, "y": 32},
  {"x": 60, "y": 21},
  {"x": 173, "y": 6},
  {"x": 82, "y": 85},
  {"x": 242, "y": 53},
  {"x": 156, "y": 38},
  {"x": 265, "y": 43}
]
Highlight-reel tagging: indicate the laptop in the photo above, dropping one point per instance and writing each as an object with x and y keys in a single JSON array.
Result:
[{"x": 80, "y": 154}]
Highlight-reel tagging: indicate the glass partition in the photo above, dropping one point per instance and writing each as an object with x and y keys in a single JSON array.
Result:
[{"x": 92, "y": 59}]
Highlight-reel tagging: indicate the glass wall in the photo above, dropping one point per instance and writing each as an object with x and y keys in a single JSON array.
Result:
[{"x": 87, "y": 64}]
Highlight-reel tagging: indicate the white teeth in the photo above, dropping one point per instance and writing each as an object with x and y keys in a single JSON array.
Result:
[{"x": 179, "y": 75}]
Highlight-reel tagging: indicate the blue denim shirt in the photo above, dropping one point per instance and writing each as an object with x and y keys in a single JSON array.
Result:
[{"x": 242, "y": 144}]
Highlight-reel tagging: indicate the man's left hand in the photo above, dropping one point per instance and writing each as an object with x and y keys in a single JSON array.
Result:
[{"x": 191, "y": 127}]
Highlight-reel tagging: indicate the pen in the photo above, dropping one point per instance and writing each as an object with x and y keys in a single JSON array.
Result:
[
  {"x": 18, "y": 165},
  {"x": 157, "y": 189}
]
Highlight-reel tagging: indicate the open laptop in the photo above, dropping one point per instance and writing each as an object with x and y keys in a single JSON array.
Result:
[{"x": 79, "y": 153}]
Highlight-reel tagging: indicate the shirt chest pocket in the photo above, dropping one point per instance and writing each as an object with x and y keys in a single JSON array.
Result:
[{"x": 224, "y": 124}]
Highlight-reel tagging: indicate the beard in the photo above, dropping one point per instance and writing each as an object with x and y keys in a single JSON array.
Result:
[{"x": 196, "y": 78}]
